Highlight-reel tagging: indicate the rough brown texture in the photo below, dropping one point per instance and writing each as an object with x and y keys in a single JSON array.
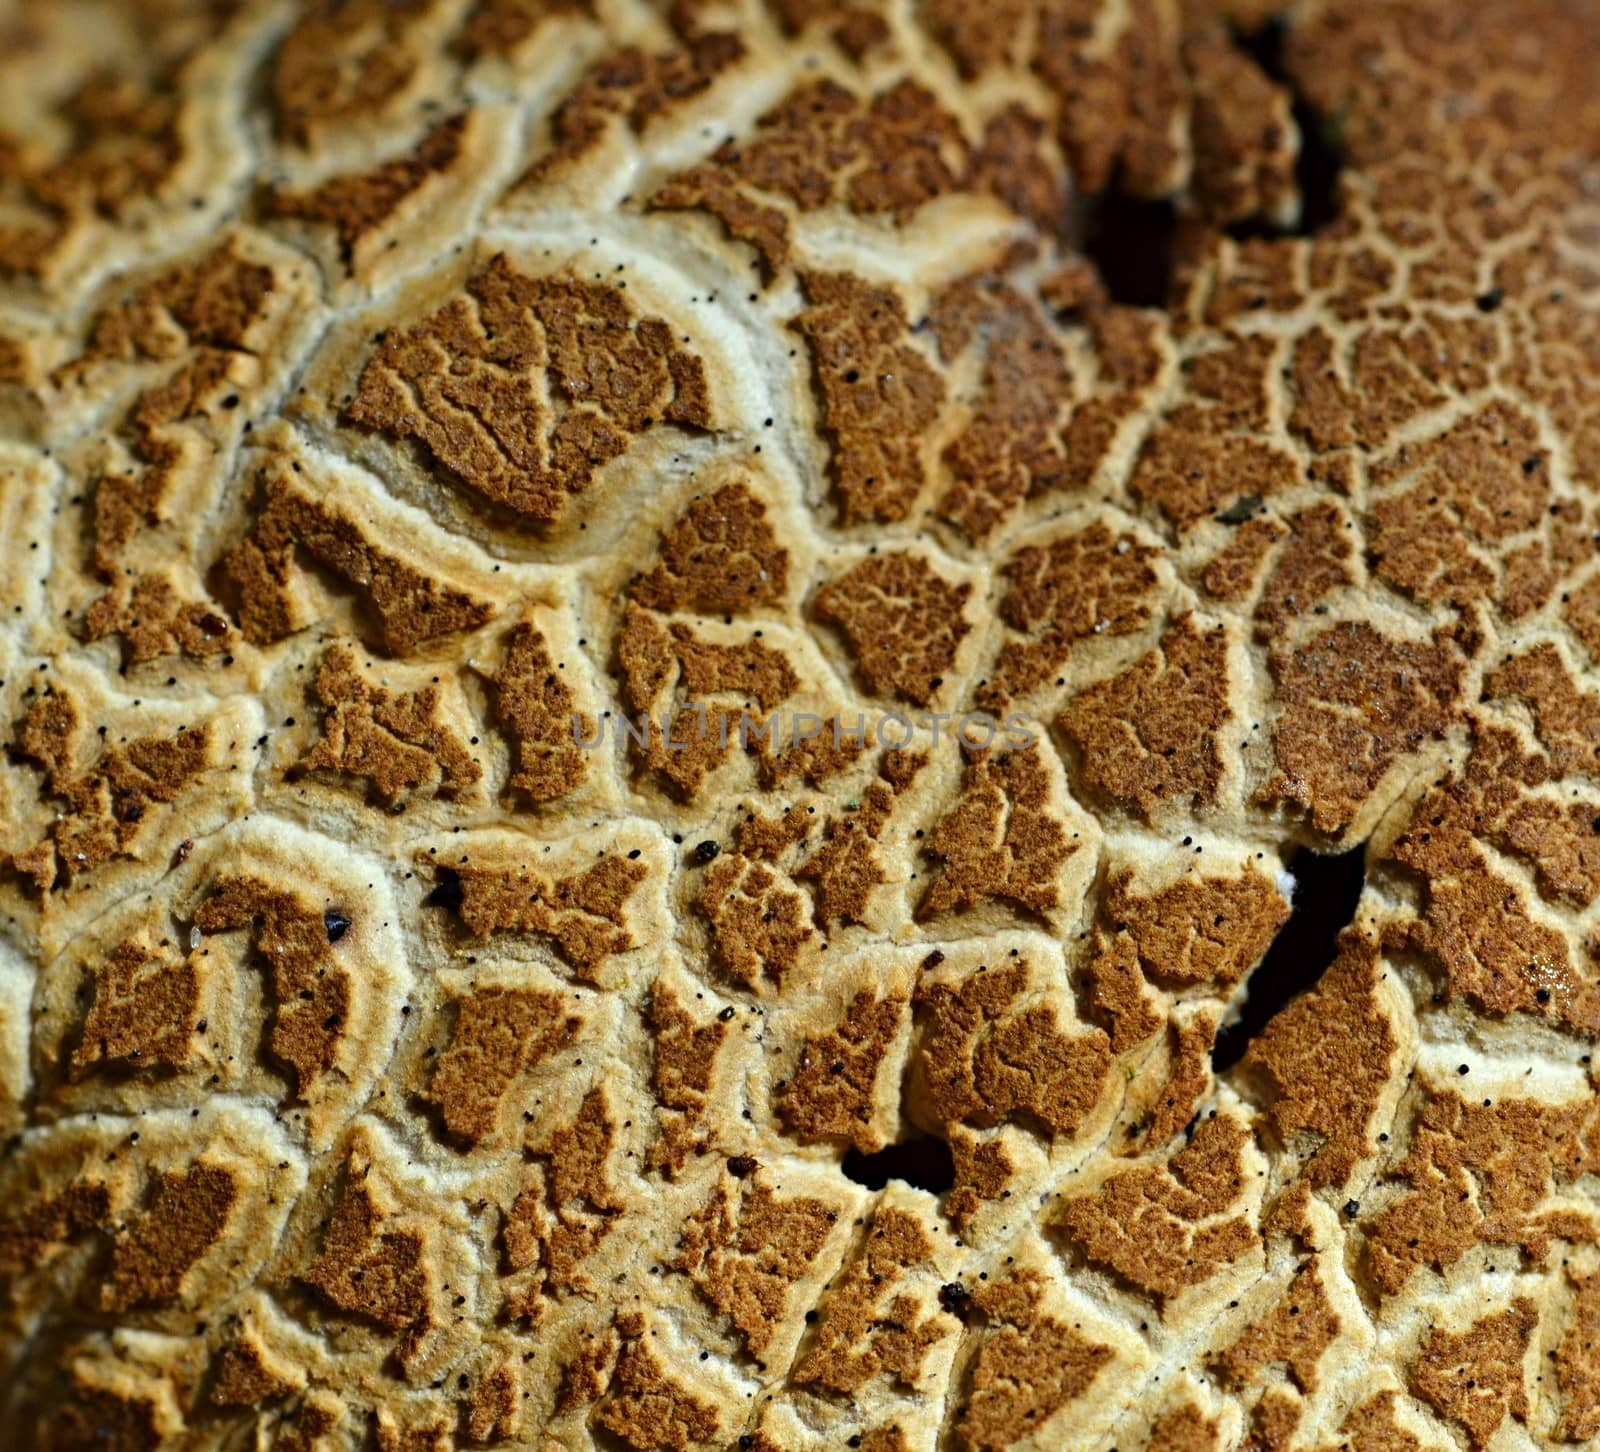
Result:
[
  {"x": 523, "y": 386},
  {"x": 1166, "y": 1227},
  {"x": 395, "y": 740},
  {"x": 661, "y": 672},
  {"x": 1477, "y": 1378},
  {"x": 1153, "y": 735},
  {"x": 903, "y": 621}
]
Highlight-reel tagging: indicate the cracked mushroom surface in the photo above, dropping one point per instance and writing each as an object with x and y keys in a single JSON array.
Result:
[{"x": 665, "y": 669}]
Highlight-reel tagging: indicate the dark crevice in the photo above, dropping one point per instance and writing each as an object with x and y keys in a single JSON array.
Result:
[
  {"x": 1131, "y": 243},
  {"x": 1321, "y": 158},
  {"x": 1327, "y": 889},
  {"x": 924, "y": 1163}
]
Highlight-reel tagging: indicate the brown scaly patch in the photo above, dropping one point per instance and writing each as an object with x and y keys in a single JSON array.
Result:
[
  {"x": 412, "y": 608},
  {"x": 105, "y": 805},
  {"x": 153, "y": 619},
  {"x": 1315, "y": 561},
  {"x": 682, "y": 1076},
  {"x": 342, "y": 62},
  {"x": 719, "y": 558},
  {"x": 634, "y": 87},
  {"x": 146, "y": 1001},
  {"x": 982, "y": 1170},
  {"x": 1073, "y": 589},
  {"x": 33, "y": 1237},
  {"x": 1566, "y": 718},
  {"x": 1354, "y": 702},
  {"x": 1186, "y": 1429},
  {"x": 1192, "y": 466},
  {"x": 745, "y": 1248},
  {"x": 983, "y": 1061},
  {"x": 1476, "y": 1377},
  {"x": 690, "y": 696},
  {"x": 1294, "y": 1334},
  {"x": 538, "y": 711},
  {"x": 1478, "y": 1173},
  {"x": 1001, "y": 840},
  {"x": 904, "y": 621},
  {"x": 878, "y": 394},
  {"x": 378, "y": 1273},
  {"x": 585, "y": 913},
  {"x": 311, "y": 990},
  {"x": 500, "y": 1034},
  {"x": 1327, "y": 1058},
  {"x": 522, "y": 388},
  {"x": 207, "y": 318},
  {"x": 112, "y": 1408},
  {"x": 1010, "y": 448},
  {"x": 116, "y": 136},
  {"x": 1475, "y": 925},
  {"x": 1206, "y": 931},
  {"x": 1243, "y": 130},
  {"x": 246, "y": 1374},
  {"x": 646, "y": 1405},
  {"x": 1177, "y": 1087},
  {"x": 1148, "y": 736},
  {"x": 855, "y": 29},
  {"x": 154, "y": 1253},
  {"x": 566, "y": 1211},
  {"x": 358, "y": 204},
  {"x": 977, "y": 43},
  {"x": 1031, "y": 1365},
  {"x": 846, "y": 869},
  {"x": 822, "y": 145},
  {"x": 497, "y": 27},
  {"x": 1165, "y": 1227},
  {"x": 1474, "y": 489},
  {"x": 1117, "y": 109},
  {"x": 493, "y": 1410},
  {"x": 1577, "y": 1361},
  {"x": 871, "y": 1324},
  {"x": 832, "y": 1093},
  {"x": 759, "y": 919},
  {"x": 395, "y": 739}
]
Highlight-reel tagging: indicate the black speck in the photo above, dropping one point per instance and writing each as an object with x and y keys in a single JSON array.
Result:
[{"x": 956, "y": 1299}]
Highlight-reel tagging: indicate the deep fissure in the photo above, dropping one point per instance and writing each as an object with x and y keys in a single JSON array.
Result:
[
  {"x": 1134, "y": 241},
  {"x": 1321, "y": 156},
  {"x": 925, "y": 1163},
  {"x": 1326, "y": 892}
]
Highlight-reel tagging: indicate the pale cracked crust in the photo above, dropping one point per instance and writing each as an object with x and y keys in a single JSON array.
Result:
[{"x": 391, "y": 388}]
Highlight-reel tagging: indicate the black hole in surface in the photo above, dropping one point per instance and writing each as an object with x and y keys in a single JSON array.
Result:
[
  {"x": 448, "y": 893},
  {"x": 1321, "y": 158},
  {"x": 924, "y": 1163},
  {"x": 1130, "y": 242},
  {"x": 1326, "y": 892}
]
